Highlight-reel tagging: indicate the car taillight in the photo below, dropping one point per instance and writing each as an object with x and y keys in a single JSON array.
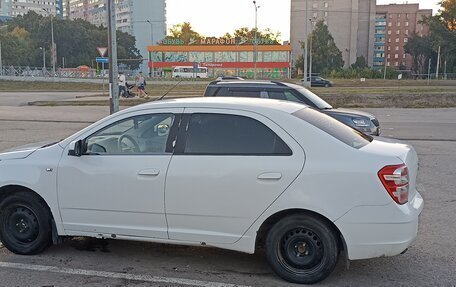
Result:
[{"x": 395, "y": 179}]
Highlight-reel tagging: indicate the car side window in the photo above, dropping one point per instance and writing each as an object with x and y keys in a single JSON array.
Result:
[
  {"x": 142, "y": 134},
  {"x": 238, "y": 92},
  {"x": 284, "y": 95},
  {"x": 245, "y": 93},
  {"x": 224, "y": 134},
  {"x": 223, "y": 92}
]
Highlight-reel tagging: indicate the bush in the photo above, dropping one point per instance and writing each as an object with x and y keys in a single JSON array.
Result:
[{"x": 369, "y": 73}]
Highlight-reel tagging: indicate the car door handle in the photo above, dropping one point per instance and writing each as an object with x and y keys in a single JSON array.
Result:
[
  {"x": 270, "y": 176},
  {"x": 149, "y": 172}
]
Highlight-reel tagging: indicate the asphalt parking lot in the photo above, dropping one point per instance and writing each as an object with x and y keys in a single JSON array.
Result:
[{"x": 431, "y": 261}]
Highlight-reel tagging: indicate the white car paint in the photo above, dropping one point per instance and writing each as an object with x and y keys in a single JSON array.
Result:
[
  {"x": 226, "y": 197},
  {"x": 223, "y": 202},
  {"x": 124, "y": 196}
]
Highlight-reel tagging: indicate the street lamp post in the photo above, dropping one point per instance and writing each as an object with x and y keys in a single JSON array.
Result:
[
  {"x": 255, "y": 53},
  {"x": 306, "y": 83},
  {"x": 311, "y": 36},
  {"x": 385, "y": 51},
  {"x": 1, "y": 61},
  {"x": 44, "y": 58},
  {"x": 53, "y": 53},
  {"x": 151, "y": 68},
  {"x": 151, "y": 23}
]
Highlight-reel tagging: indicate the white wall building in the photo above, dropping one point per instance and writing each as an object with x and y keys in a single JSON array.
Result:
[
  {"x": 350, "y": 22},
  {"x": 13, "y": 8},
  {"x": 145, "y": 19}
]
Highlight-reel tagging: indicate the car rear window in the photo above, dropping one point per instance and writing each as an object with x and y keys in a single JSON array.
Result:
[{"x": 340, "y": 131}]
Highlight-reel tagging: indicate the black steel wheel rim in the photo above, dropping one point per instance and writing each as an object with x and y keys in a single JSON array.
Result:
[
  {"x": 22, "y": 224},
  {"x": 300, "y": 251}
]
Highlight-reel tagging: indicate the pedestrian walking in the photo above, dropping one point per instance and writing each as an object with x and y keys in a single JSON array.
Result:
[
  {"x": 122, "y": 85},
  {"x": 141, "y": 85}
]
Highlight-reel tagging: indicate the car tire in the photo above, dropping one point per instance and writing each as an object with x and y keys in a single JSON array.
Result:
[
  {"x": 302, "y": 249},
  {"x": 327, "y": 85},
  {"x": 25, "y": 223}
]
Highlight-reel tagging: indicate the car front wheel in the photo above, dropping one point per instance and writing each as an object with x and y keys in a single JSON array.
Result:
[
  {"x": 302, "y": 249},
  {"x": 25, "y": 223}
]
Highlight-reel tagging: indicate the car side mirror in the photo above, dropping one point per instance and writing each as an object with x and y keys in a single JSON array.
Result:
[{"x": 75, "y": 148}]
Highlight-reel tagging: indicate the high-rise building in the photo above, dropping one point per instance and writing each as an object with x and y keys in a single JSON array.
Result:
[
  {"x": 350, "y": 22},
  {"x": 394, "y": 25},
  {"x": 145, "y": 19},
  {"x": 10, "y": 8}
]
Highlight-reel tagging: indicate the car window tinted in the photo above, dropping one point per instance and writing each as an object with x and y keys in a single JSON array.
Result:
[
  {"x": 244, "y": 93},
  {"x": 316, "y": 100},
  {"x": 234, "y": 92},
  {"x": 221, "y": 134},
  {"x": 335, "y": 128},
  {"x": 284, "y": 95},
  {"x": 140, "y": 134}
]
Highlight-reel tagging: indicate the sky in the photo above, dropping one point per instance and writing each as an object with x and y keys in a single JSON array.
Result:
[{"x": 217, "y": 17}]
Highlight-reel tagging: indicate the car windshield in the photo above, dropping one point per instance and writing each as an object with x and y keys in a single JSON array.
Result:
[
  {"x": 340, "y": 131},
  {"x": 319, "y": 102}
]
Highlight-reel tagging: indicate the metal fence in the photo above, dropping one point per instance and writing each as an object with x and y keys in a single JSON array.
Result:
[
  {"x": 85, "y": 72},
  {"x": 13, "y": 71}
]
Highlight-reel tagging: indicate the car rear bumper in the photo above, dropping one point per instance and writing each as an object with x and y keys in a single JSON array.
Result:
[{"x": 377, "y": 231}]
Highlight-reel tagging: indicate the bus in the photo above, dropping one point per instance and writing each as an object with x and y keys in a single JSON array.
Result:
[{"x": 189, "y": 72}]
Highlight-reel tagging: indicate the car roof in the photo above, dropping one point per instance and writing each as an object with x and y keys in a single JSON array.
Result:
[
  {"x": 266, "y": 107},
  {"x": 250, "y": 104},
  {"x": 254, "y": 83}
]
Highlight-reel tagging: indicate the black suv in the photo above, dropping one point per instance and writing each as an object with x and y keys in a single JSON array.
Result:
[{"x": 361, "y": 121}]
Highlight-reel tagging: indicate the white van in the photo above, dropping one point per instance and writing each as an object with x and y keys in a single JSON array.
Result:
[{"x": 189, "y": 72}]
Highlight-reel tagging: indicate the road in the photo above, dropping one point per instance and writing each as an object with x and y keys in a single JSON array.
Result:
[
  {"x": 87, "y": 262},
  {"x": 13, "y": 99}
]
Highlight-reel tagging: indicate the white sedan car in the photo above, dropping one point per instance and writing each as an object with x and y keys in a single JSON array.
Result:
[{"x": 231, "y": 173}]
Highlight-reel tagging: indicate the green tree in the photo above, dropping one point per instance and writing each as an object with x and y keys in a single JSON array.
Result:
[
  {"x": 360, "y": 63},
  {"x": 17, "y": 47},
  {"x": 76, "y": 41},
  {"x": 184, "y": 32},
  {"x": 448, "y": 14},
  {"x": 187, "y": 35},
  {"x": 443, "y": 33},
  {"x": 420, "y": 48},
  {"x": 325, "y": 54},
  {"x": 248, "y": 35}
]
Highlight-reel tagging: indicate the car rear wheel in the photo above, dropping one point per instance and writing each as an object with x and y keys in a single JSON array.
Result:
[
  {"x": 302, "y": 249},
  {"x": 25, "y": 223}
]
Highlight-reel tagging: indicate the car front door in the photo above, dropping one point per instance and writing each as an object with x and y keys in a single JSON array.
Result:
[
  {"x": 117, "y": 185},
  {"x": 228, "y": 169}
]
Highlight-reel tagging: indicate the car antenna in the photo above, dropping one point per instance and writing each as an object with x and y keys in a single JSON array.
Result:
[{"x": 167, "y": 92}]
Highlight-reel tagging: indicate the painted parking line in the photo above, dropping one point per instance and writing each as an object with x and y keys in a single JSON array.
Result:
[{"x": 116, "y": 275}]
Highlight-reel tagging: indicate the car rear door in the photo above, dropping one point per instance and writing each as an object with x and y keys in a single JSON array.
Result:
[{"x": 227, "y": 168}]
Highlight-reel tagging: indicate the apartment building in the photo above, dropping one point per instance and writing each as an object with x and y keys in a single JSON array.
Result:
[
  {"x": 350, "y": 22},
  {"x": 145, "y": 19},
  {"x": 13, "y": 8},
  {"x": 394, "y": 25}
]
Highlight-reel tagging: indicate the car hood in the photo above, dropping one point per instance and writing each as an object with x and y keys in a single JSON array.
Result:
[
  {"x": 23, "y": 151},
  {"x": 349, "y": 112}
]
